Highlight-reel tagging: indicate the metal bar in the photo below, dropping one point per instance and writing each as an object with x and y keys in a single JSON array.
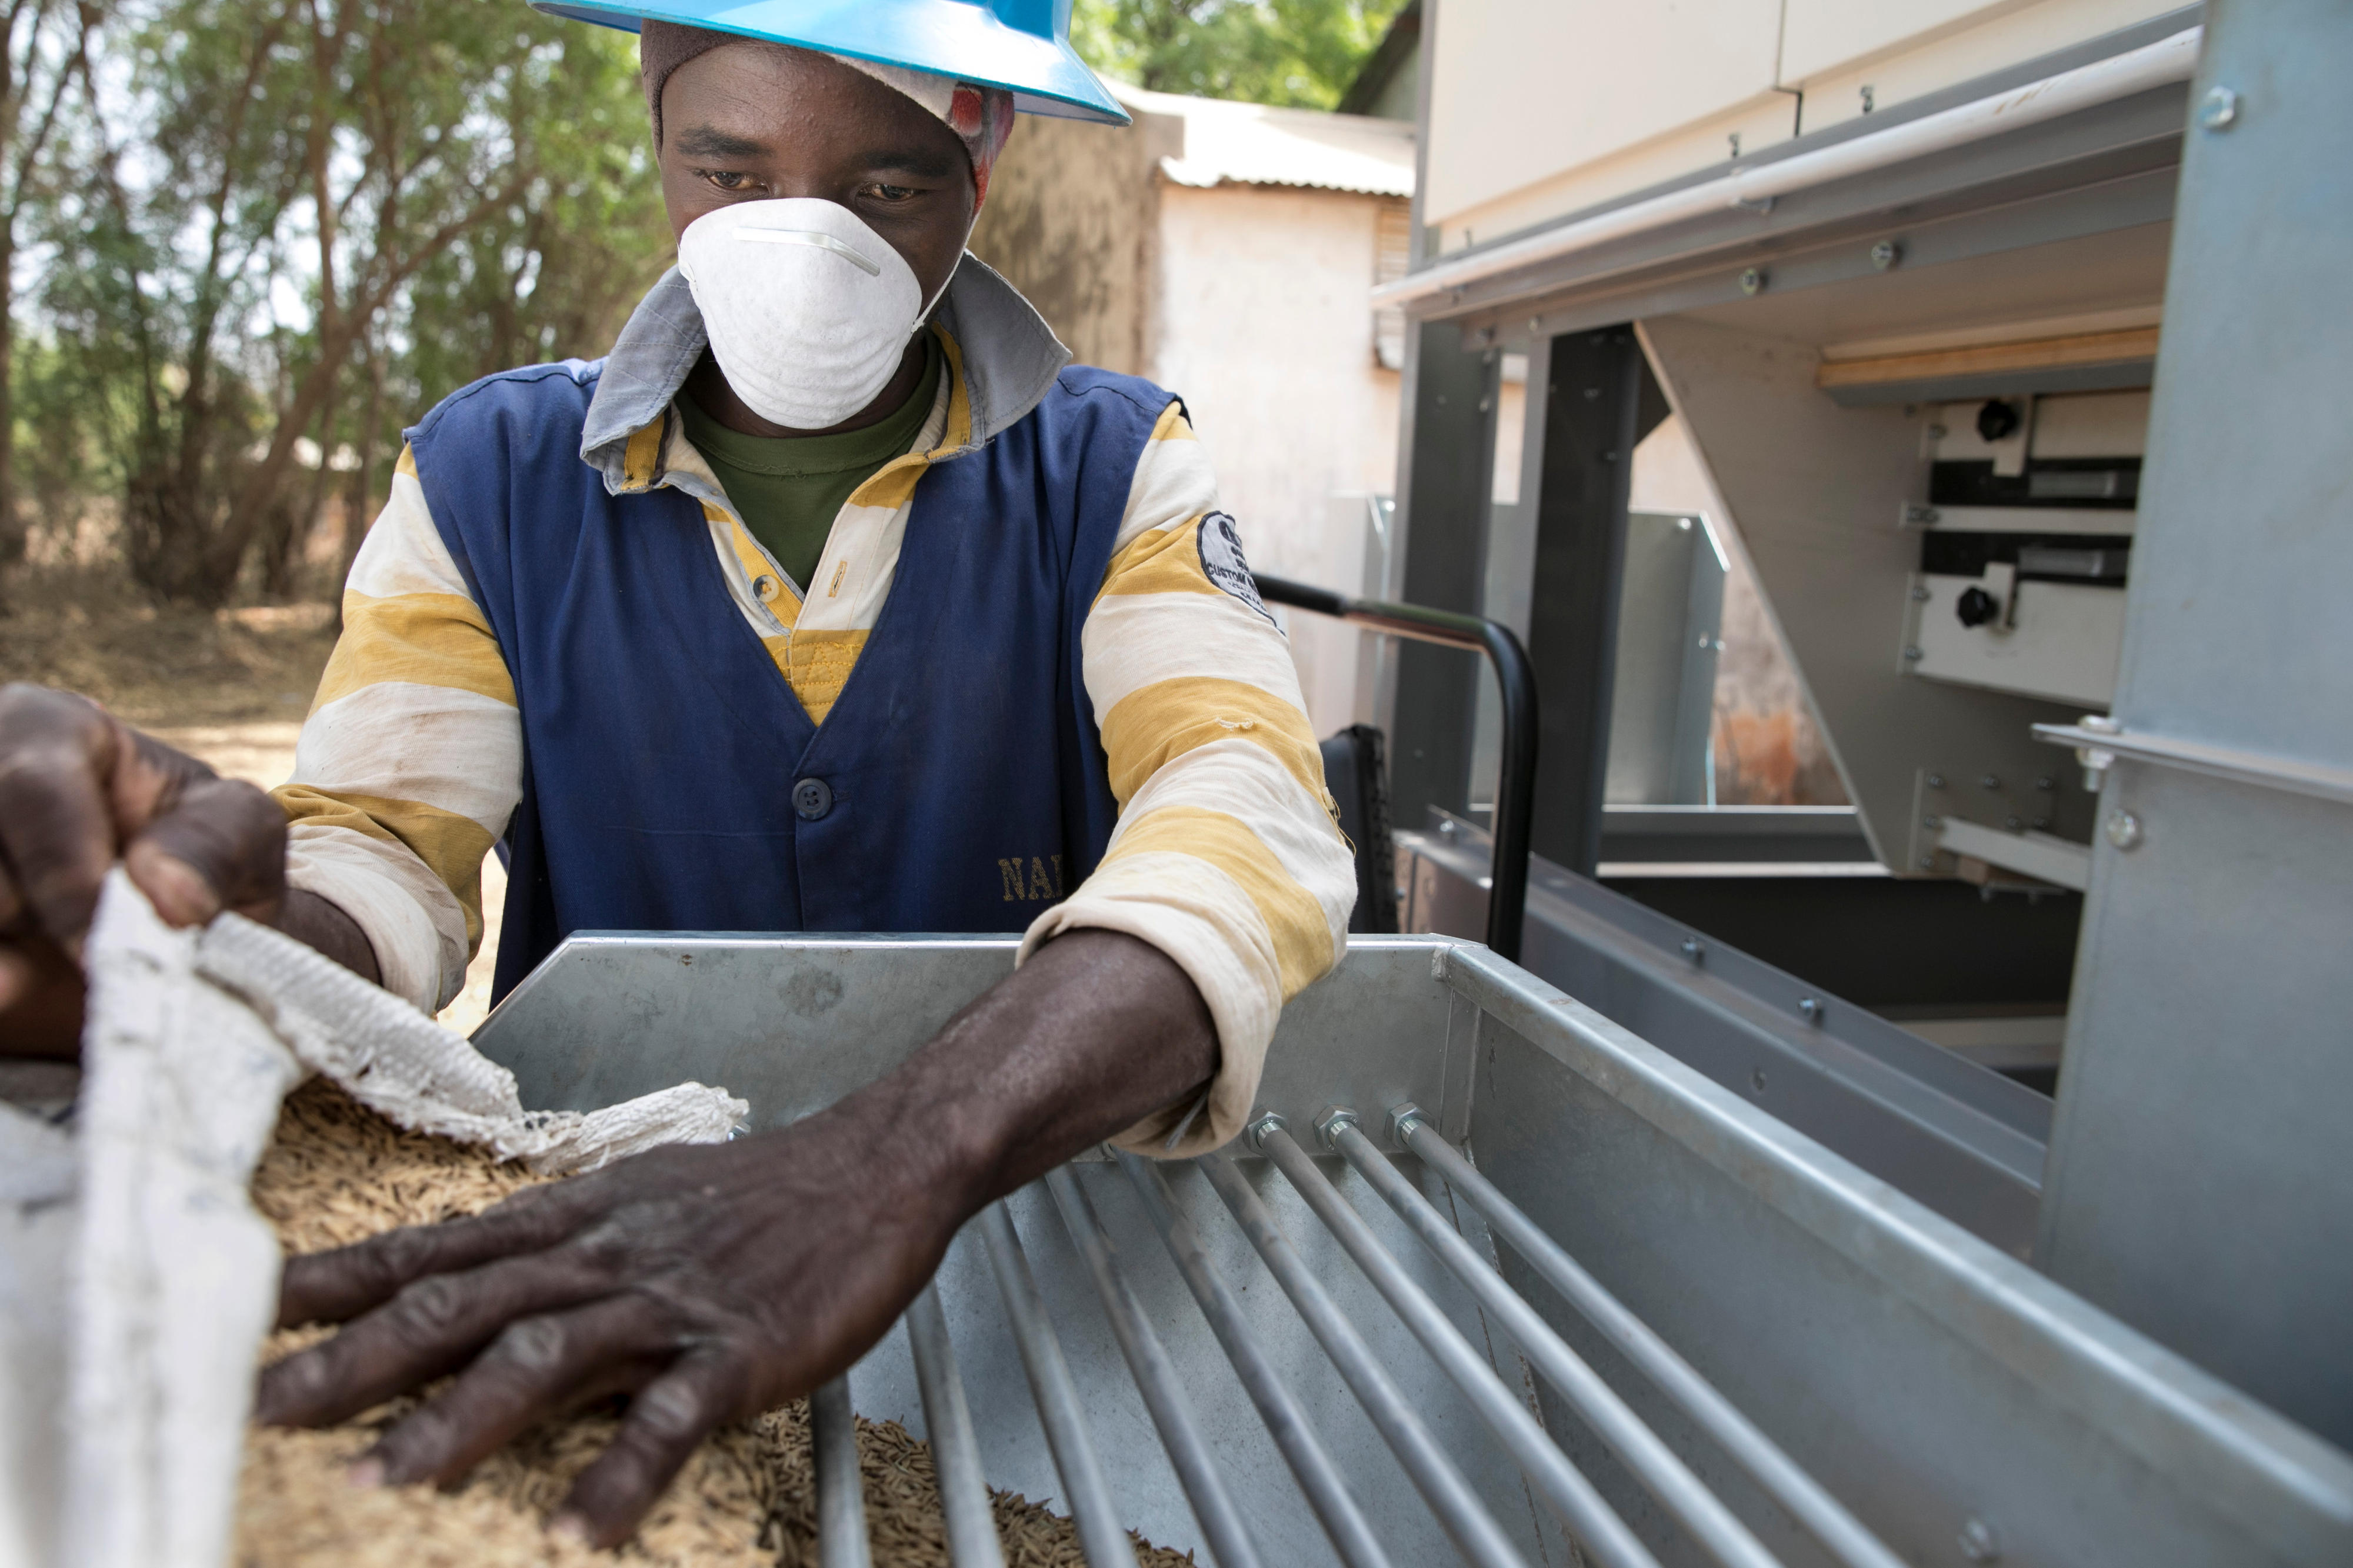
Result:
[
  {"x": 1155, "y": 1378},
  {"x": 1101, "y": 1536},
  {"x": 1665, "y": 1475},
  {"x": 1515, "y": 782},
  {"x": 1604, "y": 1536},
  {"x": 956, "y": 1448},
  {"x": 1344, "y": 1522},
  {"x": 1821, "y": 1515},
  {"x": 2096, "y": 748},
  {"x": 840, "y": 1499},
  {"x": 2055, "y": 860},
  {"x": 1464, "y": 1518}
]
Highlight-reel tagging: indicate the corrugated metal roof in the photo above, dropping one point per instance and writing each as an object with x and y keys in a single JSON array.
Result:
[{"x": 1253, "y": 144}]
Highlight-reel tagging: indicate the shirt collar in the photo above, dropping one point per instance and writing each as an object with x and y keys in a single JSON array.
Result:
[{"x": 1002, "y": 359}]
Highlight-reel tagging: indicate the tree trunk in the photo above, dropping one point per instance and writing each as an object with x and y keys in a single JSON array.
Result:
[
  {"x": 359, "y": 492},
  {"x": 288, "y": 536},
  {"x": 11, "y": 526}
]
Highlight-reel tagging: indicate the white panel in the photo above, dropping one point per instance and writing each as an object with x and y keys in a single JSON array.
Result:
[
  {"x": 1900, "y": 49},
  {"x": 1820, "y": 34},
  {"x": 1524, "y": 90},
  {"x": 2063, "y": 646},
  {"x": 2092, "y": 425}
]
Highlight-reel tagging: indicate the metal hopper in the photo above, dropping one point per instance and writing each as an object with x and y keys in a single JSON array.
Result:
[{"x": 1491, "y": 1278}]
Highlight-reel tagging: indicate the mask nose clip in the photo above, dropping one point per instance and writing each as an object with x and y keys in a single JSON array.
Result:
[{"x": 810, "y": 237}]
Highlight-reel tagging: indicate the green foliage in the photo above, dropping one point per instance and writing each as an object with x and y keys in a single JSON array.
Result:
[
  {"x": 297, "y": 224},
  {"x": 554, "y": 271},
  {"x": 261, "y": 236},
  {"x": 1302, "y": 53}
]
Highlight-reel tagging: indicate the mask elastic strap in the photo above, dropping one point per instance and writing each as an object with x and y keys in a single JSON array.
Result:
[{"x": 924, "y": 314}]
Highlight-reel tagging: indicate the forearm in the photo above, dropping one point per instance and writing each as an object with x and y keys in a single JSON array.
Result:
[
  {"x": 1096, "y": 1032},
  {"x": 318, "y": 923}
]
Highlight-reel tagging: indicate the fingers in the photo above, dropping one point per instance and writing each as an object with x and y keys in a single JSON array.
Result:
[
  {"x": 338, "y": 1286},
  {"x": 40, "y": 999},
  {"x": 667, "y": 1419},
  {"x": 221, "y": 845},
  {"x": 75, "y": 784},
  {"x": 535, "y": 1368},
  {"x": 56, "y": 829},
  {"x": 432, "y": 1327}
]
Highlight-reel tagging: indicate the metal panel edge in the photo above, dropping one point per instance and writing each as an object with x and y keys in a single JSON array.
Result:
[{"x": 2280, "y": 1482}]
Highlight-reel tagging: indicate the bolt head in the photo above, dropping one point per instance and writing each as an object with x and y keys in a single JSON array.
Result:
[
  {"x": 2013, "y": 823},
  {"x": 1920, "y": 594},
  {"x": 1979, "y": 1543},
  {"x": 1404, "y": 1110},
  {"x": 1935, "y": 781},
  {"x": 1913, "y": 656},
  {"x": 1757, "y": 1081},
  {"x": 1695, "y": 949},
  {"x": 2123, "y": 829},
  {"x": 1811, "y": 1008},
  {"x": 1328, "y": 1125},
  {"x": 1931, "y": 822},
  {"x": 1991, "y": 780},
  {"x": 1886, "y": 254},
  {"x": 2219, "y": 109},
  {"x": 1753, "y": 280},
  {"x": 1927, "y": 862},
  {"x": 2046, "y": 783},
  {"x": 1255, "y": 1134}
]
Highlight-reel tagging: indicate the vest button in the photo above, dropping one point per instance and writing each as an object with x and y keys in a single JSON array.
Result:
[
  {"x": 767, "y": 586},
  {"x": 812, "y": 798}
]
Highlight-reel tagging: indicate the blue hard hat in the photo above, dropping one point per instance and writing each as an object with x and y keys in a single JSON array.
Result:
[{"x": 1022, "y": 46}]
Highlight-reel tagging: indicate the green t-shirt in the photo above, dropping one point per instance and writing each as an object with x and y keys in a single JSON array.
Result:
[{"x": 788, "y": 489}]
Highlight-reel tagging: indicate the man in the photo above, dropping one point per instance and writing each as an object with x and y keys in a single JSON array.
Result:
[{"x": 830, "y": 600}]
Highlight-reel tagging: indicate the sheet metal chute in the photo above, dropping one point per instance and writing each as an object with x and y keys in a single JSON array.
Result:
[{"x": 1488, "y": 1278}]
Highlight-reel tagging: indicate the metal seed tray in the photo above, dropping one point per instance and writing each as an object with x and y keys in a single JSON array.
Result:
[{"x": 1490, "y": 1275}]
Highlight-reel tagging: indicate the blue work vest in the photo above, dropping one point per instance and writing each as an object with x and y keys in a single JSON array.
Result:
[{"x": 964, "y": 783}]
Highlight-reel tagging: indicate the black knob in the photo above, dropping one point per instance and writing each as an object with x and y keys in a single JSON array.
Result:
[
  {"x": 1997, "y": 419},
  {"x": 1975, "y": 606}
]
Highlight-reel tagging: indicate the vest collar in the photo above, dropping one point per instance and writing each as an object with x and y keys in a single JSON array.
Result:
[{"x": 1007, "y": 360}]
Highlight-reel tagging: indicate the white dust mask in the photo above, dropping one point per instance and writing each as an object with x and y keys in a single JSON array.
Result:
[{"x": 808, "y": 309}]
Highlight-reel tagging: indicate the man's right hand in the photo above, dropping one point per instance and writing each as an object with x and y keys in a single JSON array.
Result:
[{"x": 78, "y": 790}]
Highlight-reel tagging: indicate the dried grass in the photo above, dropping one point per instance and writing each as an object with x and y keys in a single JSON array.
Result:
[{"x": 337, "y": 1173}]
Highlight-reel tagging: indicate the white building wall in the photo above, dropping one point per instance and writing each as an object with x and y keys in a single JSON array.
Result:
[{"x": 1265, "y": 331}]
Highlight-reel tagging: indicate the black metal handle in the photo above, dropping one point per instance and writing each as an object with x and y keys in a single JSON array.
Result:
[{"x": 1507, "y": 893}]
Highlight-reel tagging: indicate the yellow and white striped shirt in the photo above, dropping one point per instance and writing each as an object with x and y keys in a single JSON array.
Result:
[{"x": 1224, "y": 857}]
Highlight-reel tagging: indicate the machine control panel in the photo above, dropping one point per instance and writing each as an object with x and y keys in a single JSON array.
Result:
[{"x": 2026, "y": 544}]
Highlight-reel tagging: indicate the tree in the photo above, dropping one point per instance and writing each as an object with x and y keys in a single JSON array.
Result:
[
  {"x": 46, "y": 52},
  {"x": 297, "y": 209},
  {"x": 1303, "y": 53}
]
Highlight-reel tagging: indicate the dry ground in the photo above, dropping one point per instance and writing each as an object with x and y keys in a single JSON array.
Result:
[{"x": 230, "y": 686}]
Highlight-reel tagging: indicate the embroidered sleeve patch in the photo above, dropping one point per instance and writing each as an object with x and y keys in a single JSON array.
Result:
[{"x": 1222, "y": 563}]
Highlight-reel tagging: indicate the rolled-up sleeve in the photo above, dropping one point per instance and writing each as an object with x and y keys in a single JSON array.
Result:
[
  {"x": 1227, "y": 856},
  {"x": 411, "y": 760}
]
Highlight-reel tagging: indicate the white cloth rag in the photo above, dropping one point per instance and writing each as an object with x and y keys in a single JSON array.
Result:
[{"x": 171, "y": 1281}]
